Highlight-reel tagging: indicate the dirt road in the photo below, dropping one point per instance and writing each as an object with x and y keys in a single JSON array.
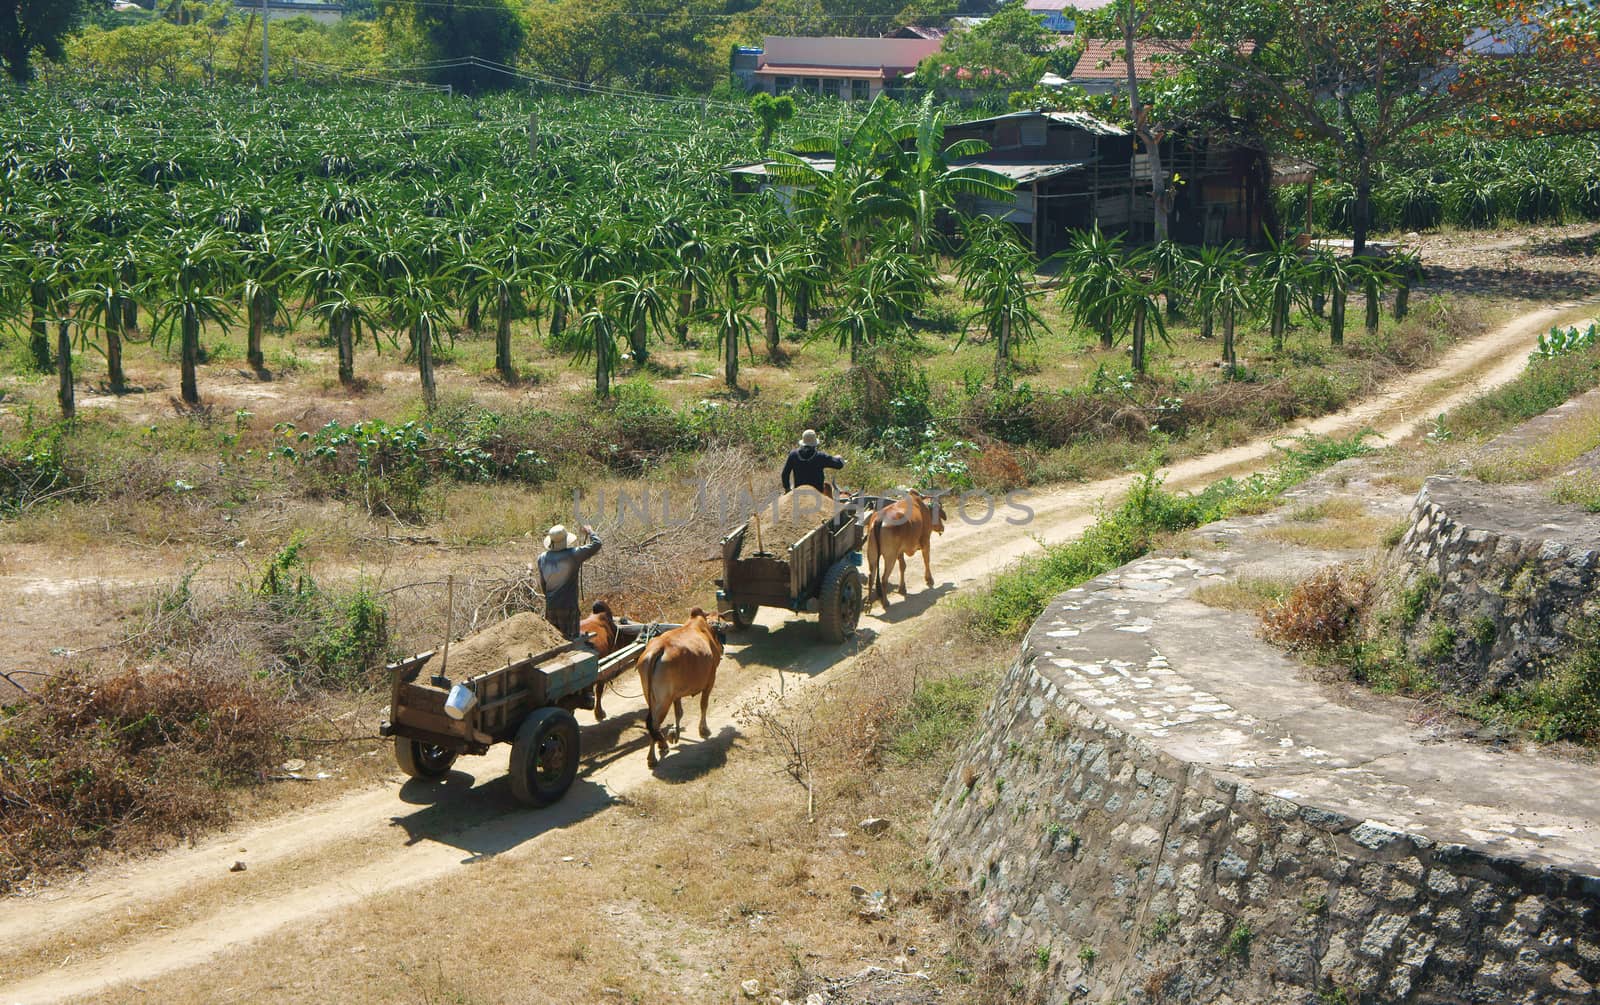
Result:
[{"x": 179, "y": 909}]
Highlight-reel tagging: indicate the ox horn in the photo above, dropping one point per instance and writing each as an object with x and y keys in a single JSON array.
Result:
[{"x": 723, "y": 615}]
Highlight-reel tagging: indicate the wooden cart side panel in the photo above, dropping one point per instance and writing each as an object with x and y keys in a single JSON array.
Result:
[
  {"x": 422, "y": 706},
  {"x": 803, "y": 562}
]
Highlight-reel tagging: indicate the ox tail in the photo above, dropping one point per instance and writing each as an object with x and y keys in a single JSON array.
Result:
[{"x": 647, "y": 671}]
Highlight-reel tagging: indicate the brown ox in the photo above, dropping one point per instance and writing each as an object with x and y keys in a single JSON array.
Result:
[
  {"x": 896, "y": 532},
  {"x": 601, "y": 628},
  {"x": 676, "y": 665}
]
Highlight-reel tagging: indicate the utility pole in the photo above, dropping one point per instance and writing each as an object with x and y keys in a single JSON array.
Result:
[{"x": 264, "y": 53}]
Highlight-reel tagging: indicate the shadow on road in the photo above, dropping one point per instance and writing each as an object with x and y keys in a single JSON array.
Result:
[
  {"x": 486, "y": 820},
  {"x": 902, "y": 608},
  {"x": 692, "y": 759}
]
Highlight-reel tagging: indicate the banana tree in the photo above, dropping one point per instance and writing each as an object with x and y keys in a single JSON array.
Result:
[
  {"x": 996, "y": 273},
  {"x": 926, "y": 173},
  {"x": 190, "y": 285}
]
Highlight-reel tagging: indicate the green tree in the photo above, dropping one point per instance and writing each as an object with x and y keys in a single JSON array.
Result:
[
  {"x": 38, "y": 27},
  {"x": 1351, "y": 85},
  {"x": 449, "y": 31},
  {"x": 772, "y": 112}
]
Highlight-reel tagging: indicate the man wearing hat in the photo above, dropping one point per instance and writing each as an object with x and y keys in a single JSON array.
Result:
[
  {"x": 806, "y": 464},
  {"x": 558, "y": 576}
]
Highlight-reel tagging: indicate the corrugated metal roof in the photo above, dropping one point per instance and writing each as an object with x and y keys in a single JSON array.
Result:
[
  {"x": 830, "y": 72},
  {"x": 1022, "y": 172},
  {"x": 1075, "y": 120},
  {"x": 1041, "y": 6}
]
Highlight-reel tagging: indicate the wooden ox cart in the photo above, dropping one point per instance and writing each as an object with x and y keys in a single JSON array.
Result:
[
  {"x": 527, "y": 703},
  {"x": 819, "y": 573}
]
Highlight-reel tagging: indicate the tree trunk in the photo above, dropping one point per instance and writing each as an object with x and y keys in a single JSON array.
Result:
[
  {"x": 39, "y": 341},
  {"x": 1229, "y": 361},
  {"x": 685, "y": 308},
  {"x": 474, "y": 314},
  {"x": 1208, "y": 324},
  {"x": 1002, "y": 350},
  {"x": 1280, "y": 318},
  {"x": 502, "y": 337},
  {"x": 1336, "y": 316},
  {"x": 64, "y": 370},
  {"x": 558, "y": 320},
  {"x": 119, "y": 380},
  {"x": 1358, "y": 226},
  {"x": 802, "y": 307},
  {"x": 730, "y": 354},
  {"x": 1374, "y": 301},
  {"x": 771, "y": 322},
  {"x": 602, "y": 365},
  {"x": 1105, "y": 336},
  {"x": 1402, "y": 299},
  {"x": 130, "y": 314},
  {"x": 1138, "y": 339},
  {"x": 638, "y": 341},
  {"x": 422, "y": 340},
  {"x": 1319, "y": 303},
  {"x": 259, "y": 307},
  {"x": 344, "y": 336},
  {"x": 189, "y": 357}
]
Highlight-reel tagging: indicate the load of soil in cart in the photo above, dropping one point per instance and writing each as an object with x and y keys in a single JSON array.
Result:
[
  {"x": 793, "y": 516},
  {"x": 512, "y": 639}
]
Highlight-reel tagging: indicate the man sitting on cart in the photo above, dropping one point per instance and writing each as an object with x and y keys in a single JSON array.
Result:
[
  {"x": 558, "y": 576},
  {"x": 806, "y": 464}
]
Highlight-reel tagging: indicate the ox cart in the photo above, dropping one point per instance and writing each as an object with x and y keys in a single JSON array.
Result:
[
  {"x": 527, "y": 703},
  {"x": 820, "y": 573}
]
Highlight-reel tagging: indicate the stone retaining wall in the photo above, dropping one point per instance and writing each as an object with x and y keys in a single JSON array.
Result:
[
  {"x": 1504, "y": 581},
  {"x": 1125, "y": 873}
]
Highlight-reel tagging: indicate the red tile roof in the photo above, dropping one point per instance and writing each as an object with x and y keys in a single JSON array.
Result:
[{"x": 1104, "y": 59}]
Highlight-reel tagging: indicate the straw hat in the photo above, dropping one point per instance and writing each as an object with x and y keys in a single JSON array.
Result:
[
  {"x": 808, "y": 438},
  {"x": 558, "y": 538}
]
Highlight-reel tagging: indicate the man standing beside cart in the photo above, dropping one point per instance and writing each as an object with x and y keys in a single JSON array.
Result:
[{"x": 559, "y": 566}]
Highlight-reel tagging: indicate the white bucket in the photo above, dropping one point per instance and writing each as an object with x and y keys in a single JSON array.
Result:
[{"x": 461, "y": 701}]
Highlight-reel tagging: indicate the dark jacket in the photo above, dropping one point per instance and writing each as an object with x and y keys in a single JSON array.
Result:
[{"x": 805, "y": 467}]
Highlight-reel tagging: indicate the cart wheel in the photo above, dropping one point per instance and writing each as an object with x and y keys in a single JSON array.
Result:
[
  {"x": 422, "y": 760},
  {"x": 840, "y": 602},
  {"x": 744, "y": 615},
  {"x": 544, "y": 757}
]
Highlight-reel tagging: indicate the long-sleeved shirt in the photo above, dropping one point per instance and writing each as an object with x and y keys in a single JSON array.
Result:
[
  {"x": 558, "y": 579},
  {"x": 805, "y": 467}
]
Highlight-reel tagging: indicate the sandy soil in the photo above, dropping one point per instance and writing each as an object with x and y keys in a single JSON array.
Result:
[{"x": 133, "y": 923}]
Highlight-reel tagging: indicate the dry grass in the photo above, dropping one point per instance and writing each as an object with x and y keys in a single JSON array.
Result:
[
  {"x": 1247, "y": 593},
  {"x": 124, "y": 762},
  {"x": 1320, "y": 612},
  {"x": 1337, "y": 524},
  {"x": 1554, "y": 452}
]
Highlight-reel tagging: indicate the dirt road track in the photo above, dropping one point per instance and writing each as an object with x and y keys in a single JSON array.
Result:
[{"x": 182, "y": 908}]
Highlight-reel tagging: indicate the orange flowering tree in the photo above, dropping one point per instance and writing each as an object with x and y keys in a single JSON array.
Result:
[{"x": 1346, "y": 85}]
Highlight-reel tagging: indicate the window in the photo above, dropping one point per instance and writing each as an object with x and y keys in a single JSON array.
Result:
[
  {"x": 812, "y": 85},
  {"x": 1034, "y": 132},
  {"x": 785, "y": 84},
  {"x": 860, "y": 90},
  {"x": 833, "y": 87}
]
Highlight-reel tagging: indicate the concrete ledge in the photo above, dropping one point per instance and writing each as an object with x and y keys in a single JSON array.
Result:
[{"x": 1178, "y": 813}]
